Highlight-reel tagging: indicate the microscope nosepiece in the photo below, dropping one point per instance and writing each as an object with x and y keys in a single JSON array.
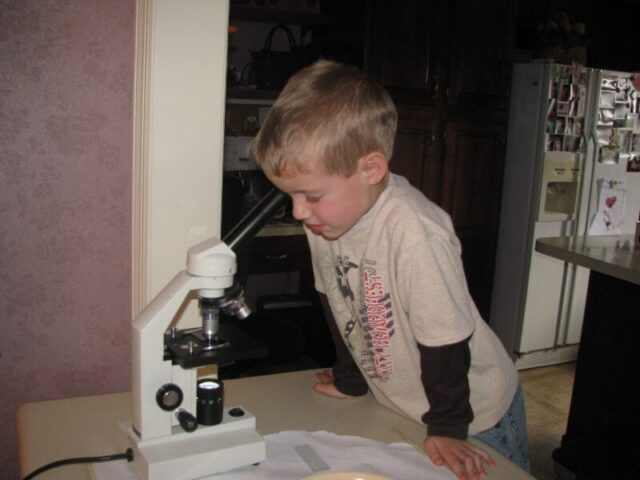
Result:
[
  {"x": 233, "y": 302},
  {"x": 237, "y": 307}
]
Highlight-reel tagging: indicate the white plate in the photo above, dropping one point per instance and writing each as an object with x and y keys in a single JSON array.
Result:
[{"x": 345, "y": 476}]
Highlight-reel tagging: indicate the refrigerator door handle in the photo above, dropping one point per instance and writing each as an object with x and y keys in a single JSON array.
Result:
[
  {"x": 594, "y": 107},
  {"x": 591, "y": 153}
]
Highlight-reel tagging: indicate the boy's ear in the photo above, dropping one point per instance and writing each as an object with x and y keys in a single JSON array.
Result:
[{"x": 375, "y": 167}]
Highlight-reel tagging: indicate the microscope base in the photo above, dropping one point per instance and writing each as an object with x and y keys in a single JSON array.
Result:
[{"x": 232, "y": 444}]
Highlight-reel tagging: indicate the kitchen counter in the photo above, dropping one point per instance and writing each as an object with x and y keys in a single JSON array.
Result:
[
  {"x": 281, "y": 229},
  {"x": 602, "y": 439},
  {"x": 53, "y": 430},
  {"x": 612, "y": 255}
]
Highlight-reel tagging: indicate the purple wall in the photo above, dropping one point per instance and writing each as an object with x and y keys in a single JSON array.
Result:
[{"x": 66, "y": 82}]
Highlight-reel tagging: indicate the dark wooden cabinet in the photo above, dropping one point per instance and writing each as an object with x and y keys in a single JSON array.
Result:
[
  {"x": 472, "y": 179},
  {"x": 417, "y": 48},
  {"x": 482, "y": 42},
  {"x": 416, "y": 150},
  {"x": 447, "y": 65},
  {"x": 402, "y": 48},
  {"x": 472, "y": 175}
]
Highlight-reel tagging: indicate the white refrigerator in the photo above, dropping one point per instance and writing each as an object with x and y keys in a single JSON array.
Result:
[{"x": 572, "y": 167}]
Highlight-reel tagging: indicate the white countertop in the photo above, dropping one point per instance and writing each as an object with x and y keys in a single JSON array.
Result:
[{"x": 53, "y": 430}]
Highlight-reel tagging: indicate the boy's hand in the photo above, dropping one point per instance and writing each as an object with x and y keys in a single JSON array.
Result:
[
  {"x": 326, "y": 386},
  {"x": 462, "y": 457}
]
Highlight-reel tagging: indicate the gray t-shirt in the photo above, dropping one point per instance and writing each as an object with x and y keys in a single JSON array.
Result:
[{"x": 396, "y": 278}]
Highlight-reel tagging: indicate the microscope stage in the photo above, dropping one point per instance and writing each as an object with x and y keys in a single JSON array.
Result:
[{"x": 188, "y": 348}]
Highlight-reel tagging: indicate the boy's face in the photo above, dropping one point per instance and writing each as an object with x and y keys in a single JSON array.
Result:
[{"x": 329, "y": 205}]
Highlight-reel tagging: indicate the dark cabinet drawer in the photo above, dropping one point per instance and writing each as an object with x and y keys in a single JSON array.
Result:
[{"x": 279, "y": 254}]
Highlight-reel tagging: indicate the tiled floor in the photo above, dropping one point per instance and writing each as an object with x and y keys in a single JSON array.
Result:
[{"x": 547, "y": 393}]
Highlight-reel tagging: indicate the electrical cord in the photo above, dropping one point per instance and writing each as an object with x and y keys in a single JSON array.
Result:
[{"x": 128, "y": 455}]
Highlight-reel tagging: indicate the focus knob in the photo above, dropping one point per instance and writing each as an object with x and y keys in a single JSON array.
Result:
[
  {"x": 169, "y": 397},
  {"x": 187, "y": 421}
]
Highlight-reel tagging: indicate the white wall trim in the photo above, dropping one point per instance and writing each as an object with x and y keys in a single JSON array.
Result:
[
  {"x": 140, "y": 204},
  {"x": 178, "y": 137}
]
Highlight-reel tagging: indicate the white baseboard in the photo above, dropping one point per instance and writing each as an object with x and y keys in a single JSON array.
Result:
[{"x": 547, "y": 357}]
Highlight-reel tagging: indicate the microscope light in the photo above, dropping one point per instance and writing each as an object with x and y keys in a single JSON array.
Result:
[
  {"x": 209, "y": 404},
  {"x": 209, "y": 385}
]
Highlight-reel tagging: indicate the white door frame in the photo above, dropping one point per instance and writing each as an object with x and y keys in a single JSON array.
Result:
[{"x": 178, "y": 137}]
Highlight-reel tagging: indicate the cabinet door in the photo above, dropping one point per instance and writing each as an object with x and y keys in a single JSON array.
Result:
[
  {"x": 415, "y": 150},
  {"x": 482, "y": 43},
  {"x": 401, "y": 53},
  {"x": 472, "y": 190}
]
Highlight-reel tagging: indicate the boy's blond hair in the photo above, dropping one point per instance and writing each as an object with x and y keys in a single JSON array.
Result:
[{"x": 328, "y": 115}]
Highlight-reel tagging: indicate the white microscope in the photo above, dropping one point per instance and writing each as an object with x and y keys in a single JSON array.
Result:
[{"x": 180, "y": 429}]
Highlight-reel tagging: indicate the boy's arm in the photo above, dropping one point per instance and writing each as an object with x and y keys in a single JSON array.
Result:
[
  {"x": 347, "y": 377},
  {"x": 445, "y": 381},
  {"x": 444, "y": 376}
]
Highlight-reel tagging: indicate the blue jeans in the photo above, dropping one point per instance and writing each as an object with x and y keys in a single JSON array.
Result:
[{"x": 509, "y": 436}]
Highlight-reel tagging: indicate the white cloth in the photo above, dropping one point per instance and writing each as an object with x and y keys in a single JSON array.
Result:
[{"x": 399, "y": 461}]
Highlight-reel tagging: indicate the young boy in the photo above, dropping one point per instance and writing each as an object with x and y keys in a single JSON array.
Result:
[{"x": 387, "y": 266}]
